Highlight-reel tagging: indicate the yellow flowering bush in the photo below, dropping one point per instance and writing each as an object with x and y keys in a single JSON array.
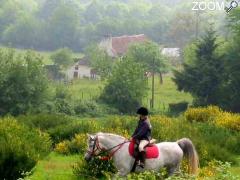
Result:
[
  {"x": 78, "y": 143},
  {"x": 62, "y": 147},
  {"x": 228, "y": 120},
  {"x": 205, "y": 114}
]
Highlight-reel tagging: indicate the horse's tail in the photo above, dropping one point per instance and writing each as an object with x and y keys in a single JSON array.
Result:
[{"x": 190, "y": 152}]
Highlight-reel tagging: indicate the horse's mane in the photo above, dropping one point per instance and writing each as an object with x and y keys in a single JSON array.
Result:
[{"x": 110, "y": 134}]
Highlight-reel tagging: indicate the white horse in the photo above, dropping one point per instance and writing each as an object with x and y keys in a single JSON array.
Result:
[{"x": 170, "y": 153}]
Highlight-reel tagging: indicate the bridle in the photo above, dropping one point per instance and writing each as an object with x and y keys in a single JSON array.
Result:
[{"x": 97, "y": 147}]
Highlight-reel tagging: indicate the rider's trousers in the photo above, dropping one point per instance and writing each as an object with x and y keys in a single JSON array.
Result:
[{"x": 142, "y": 145}]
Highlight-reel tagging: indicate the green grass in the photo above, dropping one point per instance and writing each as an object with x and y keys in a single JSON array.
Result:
[
  {"x": 164, "y": 93},
  {"x": 55, "y": 167},
  {"x": 85, "y": 89},
  {"x": 45, "y": 54},
  {"x": 236, "y": 169}
]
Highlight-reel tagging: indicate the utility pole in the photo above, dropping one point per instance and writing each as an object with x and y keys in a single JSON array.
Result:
[{"x": 153, "y": 79}]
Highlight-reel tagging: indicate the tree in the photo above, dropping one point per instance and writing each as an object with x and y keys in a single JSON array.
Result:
[
  {"x": 232, "y": 76},
  {"x": 23, "y": 34},
  {"x": 126, "y": 87},
  {"x": 23, "y": 84},
  {"x": 149, "y": 55},
  {"x": 203, "y": 77},
  {"x": 62, "y": 58},
  {"x": 63, "y": 26},
  {"x": 100, "y": 61}
]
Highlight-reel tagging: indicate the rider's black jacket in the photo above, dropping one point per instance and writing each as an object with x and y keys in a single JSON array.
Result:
[{"x": 143, "y": 130}]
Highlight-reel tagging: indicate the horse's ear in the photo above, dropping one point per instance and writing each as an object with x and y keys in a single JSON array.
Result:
[{"x": 90, "y": 136}]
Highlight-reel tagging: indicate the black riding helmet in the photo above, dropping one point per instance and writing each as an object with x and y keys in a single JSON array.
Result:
[{"x": 142, "y": 111}]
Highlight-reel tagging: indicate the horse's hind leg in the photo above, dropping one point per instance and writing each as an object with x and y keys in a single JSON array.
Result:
[{"x": 172, "y": 169}]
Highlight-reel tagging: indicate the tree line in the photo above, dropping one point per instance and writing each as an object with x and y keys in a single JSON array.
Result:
[
  {"x": 211, "y": 70},
  {"x": 54, "y": 24}
]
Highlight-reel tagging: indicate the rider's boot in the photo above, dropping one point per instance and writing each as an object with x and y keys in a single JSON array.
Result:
[{"x": 142, "y": 158}]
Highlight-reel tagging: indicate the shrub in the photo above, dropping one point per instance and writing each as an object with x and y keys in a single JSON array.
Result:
[
  {"x": 64, "y": 106},
  {"x": 87, "y": 108},
  {"x": 20, "y": 148},
  {"x": 62, "y": 147},
  {"x": 217, "y": 170},
  {"x": 215, "y": 115},
  {"x": 228, "y": 120},
  {"x": 205, "y": 114},
  {"x": 78, "y": 144},
  {"x": 95, "y": 168},
  {"x": 45, "y": 121},
  {"x": 178, "y": 107}
]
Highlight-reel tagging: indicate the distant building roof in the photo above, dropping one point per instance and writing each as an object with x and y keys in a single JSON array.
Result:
[
  {"x": 118, "y": 46},
  {"x": 84, "y": 61},
  {"x": 171, "y": 52},
  {"x": 121, "y": 44}
]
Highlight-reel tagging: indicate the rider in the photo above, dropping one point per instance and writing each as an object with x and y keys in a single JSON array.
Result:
[{"x": 142, "y": 134}]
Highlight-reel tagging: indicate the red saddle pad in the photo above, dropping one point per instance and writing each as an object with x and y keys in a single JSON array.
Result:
[{"x": 151, "y": 151}]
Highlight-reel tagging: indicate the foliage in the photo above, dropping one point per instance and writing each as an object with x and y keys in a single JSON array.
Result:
[
  {"x": 49, "y": 25},
  {"x": 228, "y": 120},
  {"x": 149, "y": 55},
  {"x": 178, "y": 107},
  {"x": 78, "y": 144},
  {"x": 204, "y": 114},
  {"x": 62, "y": 147},
  {"x": 23, "y": 84},
  {"x": 126, "y": 87},
  {"x": 88, "y": 108},
  {"x": 231, "y": 87},
  {"x": 203, "y": 77},
  {"x": 215, "y": 115},
  {"x": 100, "y": 61},
  {"x": 217, "y": 170},
  {"x": 21, "y": 148},
  {"x": 96, "y": 168},
  {"x": 62, "y": 58}
]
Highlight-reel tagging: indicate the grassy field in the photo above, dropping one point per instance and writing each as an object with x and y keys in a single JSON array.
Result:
[
  {"x": 59, "y": 167},
  {"x": 55, "y": 167},
  {"x": 45, "y": 55},
  {"x": 164, "y": 93}
]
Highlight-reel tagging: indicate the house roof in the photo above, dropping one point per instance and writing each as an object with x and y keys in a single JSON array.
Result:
[
  {"x": 121, "y": 44},
  {"x": 82, "y": 61}
]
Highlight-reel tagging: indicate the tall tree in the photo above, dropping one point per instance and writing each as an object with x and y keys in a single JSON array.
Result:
[
  {"x": 203, "y": 77},
  {"x": 126, "y": 87},
  {"x": 63, "y": 27},
  {"x": 100, "y": 61},
  {"x": 23, "y": 84},
  {"x": 232, "y": 84},
  {"x": 149, "y": 55}
]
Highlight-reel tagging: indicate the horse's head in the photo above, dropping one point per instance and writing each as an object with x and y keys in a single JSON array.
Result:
[{"x": 93, "y": 147}]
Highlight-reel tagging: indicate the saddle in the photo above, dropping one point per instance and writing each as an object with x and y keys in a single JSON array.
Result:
[{"x": 151, "y": 149}]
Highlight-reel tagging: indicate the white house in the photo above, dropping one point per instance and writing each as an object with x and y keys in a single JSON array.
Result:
[{"x": 81, "y": 69}]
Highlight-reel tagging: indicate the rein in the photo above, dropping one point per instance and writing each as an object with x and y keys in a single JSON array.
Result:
[{"x": 103, "y": 150}]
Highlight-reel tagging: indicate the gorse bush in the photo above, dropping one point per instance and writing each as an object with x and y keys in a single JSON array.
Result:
[
  {"x": 78, "y": 144},
  {"x": 96, "y": 168},
  {"x": 21, "y": 147},
  {"x": 204, "y": 114},
  {"x": 228, "y": 120},
  {"x": 215, "y": 115}
]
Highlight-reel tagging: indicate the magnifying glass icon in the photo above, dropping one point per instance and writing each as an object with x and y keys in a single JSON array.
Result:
[{"x": 233, "y": 5}]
